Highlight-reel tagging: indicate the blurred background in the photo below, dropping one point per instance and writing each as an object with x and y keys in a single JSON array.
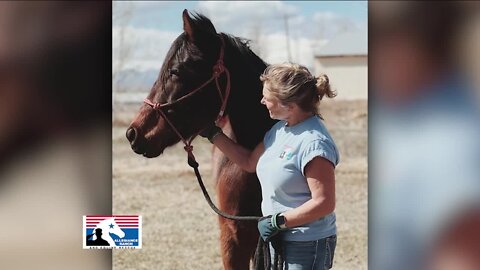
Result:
[
  {"x": 326, "y": 36},
  {"x": 56, "y": 128},
  {"x": 424, "y": 184},
  {"x": 55, "y": 131}
]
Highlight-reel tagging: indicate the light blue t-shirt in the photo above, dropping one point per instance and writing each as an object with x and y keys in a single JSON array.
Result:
[{"x": 280, "y": 170}]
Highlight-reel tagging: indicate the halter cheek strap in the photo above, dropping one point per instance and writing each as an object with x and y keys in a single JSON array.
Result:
[{"x": 217, "y": 70}]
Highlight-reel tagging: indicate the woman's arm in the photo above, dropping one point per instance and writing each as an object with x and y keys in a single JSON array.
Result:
[
  {"x": 245, "y": 158},
  {"x": 321, "y": 181}
]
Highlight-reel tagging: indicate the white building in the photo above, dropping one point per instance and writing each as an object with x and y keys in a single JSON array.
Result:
[{"x": 345, "y": 61}]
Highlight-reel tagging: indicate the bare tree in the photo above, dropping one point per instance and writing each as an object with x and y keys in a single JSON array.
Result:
[
  {"x": 320, "y": 32},
  {"x": 286, "y": 17},
  {"x": 345, "y": 25},
  {"x": 122, "y": 14},
  {"x": 257, "y": 36}
]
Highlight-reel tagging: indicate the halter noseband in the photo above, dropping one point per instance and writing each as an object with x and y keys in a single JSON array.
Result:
[{"x": 218, "y": 69}]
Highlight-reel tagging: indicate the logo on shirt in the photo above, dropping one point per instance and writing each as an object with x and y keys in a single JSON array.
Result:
[
  {"x": 287, "y": 153},
  {"x": 116, "y": 231}
]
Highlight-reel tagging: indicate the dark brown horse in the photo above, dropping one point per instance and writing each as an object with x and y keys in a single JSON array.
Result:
[{"x": 188, "y": 66}]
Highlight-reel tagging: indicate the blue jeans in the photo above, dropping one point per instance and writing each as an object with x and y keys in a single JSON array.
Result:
[{"x": 312, "y": 255}]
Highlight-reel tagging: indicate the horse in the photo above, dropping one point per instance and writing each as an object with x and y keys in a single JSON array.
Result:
[
  {"x": 185, "y": 99},
  {"x": 109, "y": 226}
]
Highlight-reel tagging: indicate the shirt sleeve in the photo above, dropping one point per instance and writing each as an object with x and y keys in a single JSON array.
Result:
[{"x": 324, "y": 148}]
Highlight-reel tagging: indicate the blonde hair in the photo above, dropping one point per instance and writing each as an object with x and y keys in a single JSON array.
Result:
[{"x": 293, "y": 83}]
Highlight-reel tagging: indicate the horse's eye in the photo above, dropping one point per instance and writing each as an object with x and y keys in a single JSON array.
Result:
[
  {"x": 174, "y": 71},
  {"x": 170, "y": 111}
]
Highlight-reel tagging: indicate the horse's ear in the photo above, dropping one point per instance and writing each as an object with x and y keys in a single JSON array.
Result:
[{"x": 187, "y": 25}]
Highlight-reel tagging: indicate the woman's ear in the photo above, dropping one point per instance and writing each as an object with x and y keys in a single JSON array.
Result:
[{"x": 290, "y": 106}]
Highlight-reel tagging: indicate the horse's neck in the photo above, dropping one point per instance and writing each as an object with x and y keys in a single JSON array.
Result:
[
  {"x": 218, "y": 157},
  {"x": 248, "y": 118}
]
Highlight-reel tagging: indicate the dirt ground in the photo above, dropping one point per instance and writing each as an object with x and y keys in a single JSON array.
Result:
[{"x": 180, "y": 231}]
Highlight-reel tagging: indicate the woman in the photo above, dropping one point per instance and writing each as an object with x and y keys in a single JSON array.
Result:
[{"x": 295, "y": 165}]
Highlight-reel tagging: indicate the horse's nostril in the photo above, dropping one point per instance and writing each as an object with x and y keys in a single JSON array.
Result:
[{"x": 131, "y": 134}]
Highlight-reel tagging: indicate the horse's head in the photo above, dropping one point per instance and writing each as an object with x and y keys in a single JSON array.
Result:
[
  {"x": 109, "y": 226},
  {"x": 187, "y": 70},
  {"x": 114, "y": 228}
]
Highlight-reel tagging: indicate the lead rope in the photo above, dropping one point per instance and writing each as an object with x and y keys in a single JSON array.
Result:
[
  {"x": 263, "y": 248},
  {"x": 194, "y": 164}
]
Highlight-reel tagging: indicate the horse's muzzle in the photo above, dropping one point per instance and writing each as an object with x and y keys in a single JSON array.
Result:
[
  {"x": 139, "y": 145},
  {"x": 131, "y": 135}
]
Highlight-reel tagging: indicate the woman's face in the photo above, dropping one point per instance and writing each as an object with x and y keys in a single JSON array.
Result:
[{"x": 276, "y": 109}]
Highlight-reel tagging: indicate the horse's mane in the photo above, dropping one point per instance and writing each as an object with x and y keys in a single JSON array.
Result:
[
  {"x": 246, "y": 55},
  {"x": 199, "y": 21},
  {"x": 240, "y": 45},
  {"x": 202, "y": 23}
]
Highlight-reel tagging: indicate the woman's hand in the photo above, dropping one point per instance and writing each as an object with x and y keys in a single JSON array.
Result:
[
  {"x": 210, "y": 132},
  {"x": 268, "y": 227},
  {"x": 245, "y": 158}
]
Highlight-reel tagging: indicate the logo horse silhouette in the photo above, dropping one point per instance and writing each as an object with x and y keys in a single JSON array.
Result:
[{"x": 109, "y": 226}]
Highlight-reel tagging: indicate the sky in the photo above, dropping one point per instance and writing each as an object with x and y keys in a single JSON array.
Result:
[{"x": 149, "y": 28}]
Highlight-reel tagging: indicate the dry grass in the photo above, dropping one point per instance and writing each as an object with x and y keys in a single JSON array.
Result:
[{"x": 180, "y": 231}]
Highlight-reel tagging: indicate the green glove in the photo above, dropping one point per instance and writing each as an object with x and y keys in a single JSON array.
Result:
[
  {"x": 268, "y": 227},
  {"x": 210, "y": 132}
]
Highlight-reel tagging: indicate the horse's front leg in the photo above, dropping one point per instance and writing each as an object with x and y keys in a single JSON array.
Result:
[{"x": 238, "y": 194}]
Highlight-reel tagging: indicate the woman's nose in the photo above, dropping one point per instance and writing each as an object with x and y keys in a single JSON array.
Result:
[{"x": 262, "y": 101}]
